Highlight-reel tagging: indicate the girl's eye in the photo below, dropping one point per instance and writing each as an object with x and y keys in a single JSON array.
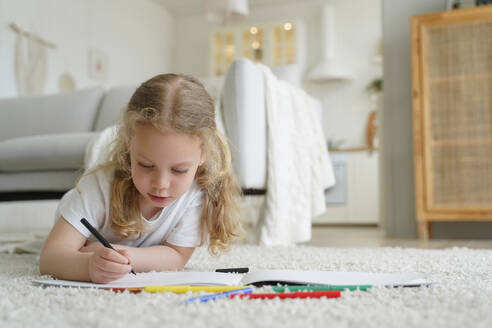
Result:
[
  {"x": 145, "y": 166},
  {"x": 180, "y": 171}
]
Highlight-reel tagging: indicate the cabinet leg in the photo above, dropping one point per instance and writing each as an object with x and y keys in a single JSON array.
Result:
[{"x": 423, "y": 230}]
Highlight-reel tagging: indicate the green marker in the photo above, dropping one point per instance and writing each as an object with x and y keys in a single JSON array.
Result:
[{"x": 281, "y": 289}]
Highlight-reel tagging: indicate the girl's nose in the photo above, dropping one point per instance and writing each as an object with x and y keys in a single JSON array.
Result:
[{"x": 162, "y": 181}]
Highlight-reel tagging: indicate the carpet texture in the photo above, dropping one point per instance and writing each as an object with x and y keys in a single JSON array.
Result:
[{"x": 462, "y": 299}]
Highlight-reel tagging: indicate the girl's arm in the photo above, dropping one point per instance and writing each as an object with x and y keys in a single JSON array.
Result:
[
  {"x": 158, "y": 258},
  {"x": 61, "y": 258}
]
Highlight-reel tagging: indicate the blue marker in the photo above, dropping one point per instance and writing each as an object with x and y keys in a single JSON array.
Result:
[{"x": 210, "y": 297}]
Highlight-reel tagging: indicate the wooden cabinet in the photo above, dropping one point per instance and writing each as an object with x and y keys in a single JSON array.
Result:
[{"x": 452, "y": 116}]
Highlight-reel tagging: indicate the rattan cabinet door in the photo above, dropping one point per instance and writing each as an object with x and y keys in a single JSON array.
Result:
[{"x": 452, "y": 93}]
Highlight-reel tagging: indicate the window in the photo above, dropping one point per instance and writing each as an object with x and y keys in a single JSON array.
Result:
[
  {"x": 224, "y": 52},
  {"x": 284, "y": 48},
  {"x": 253, "y": 43}
]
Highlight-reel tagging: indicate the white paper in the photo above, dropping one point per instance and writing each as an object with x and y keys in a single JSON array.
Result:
[
  {"x": 229, "y": 279},
  {"x": 336, "y": 278},
  {"x": 154, "y": 279}
]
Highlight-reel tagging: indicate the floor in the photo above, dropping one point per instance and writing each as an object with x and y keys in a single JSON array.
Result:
[
  {"x": 15, "y": 216},
  {"x": 372, "y": 236}
]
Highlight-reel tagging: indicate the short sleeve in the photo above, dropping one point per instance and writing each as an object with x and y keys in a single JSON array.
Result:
[
  {"x": 187, "y": 231},
  {"x": 86, "y": 200}
]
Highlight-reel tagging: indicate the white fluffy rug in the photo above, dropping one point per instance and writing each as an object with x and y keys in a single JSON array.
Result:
[{"x": 463, "y": 298}]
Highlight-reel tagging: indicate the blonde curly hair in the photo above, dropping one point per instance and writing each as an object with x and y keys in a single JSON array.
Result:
[{"x": 179, "y": 102}]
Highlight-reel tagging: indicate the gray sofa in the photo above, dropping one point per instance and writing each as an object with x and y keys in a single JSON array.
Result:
[{"x": 43, "y": 138}]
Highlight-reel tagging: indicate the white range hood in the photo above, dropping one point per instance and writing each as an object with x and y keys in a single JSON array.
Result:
[{"x": 328, "y": 68}]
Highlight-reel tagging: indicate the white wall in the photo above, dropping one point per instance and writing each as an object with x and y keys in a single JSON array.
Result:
[
  {"x": 136, "y": 36},
  {"x": 358, "y": 32}
]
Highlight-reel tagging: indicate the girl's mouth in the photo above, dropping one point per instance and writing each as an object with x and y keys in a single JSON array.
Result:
[{"x": 158, "y": 199}]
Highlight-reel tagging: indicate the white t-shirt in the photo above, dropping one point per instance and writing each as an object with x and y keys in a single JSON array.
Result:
[{"x": 178, "y": 223}]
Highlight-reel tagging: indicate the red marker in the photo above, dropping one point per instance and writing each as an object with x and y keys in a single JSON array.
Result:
[
  {"x": 121, "y": 290},
  {"x": 315, "y": 294}
]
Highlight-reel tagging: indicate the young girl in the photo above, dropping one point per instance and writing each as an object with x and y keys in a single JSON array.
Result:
[{"x": 166, "y": 189}]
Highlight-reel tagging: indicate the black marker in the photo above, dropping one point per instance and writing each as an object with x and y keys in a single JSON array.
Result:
[
  {"x": 98, "y": 236},
  {"x": 233, "y": 270}
]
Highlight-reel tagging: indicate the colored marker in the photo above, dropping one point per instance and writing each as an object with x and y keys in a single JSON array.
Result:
[
  {"x": 122, "y": 290},
  {"x": 233, "y": 270},
  {"x": 298, "y": 288},
  {"x": 185, "y": 289},
  {"x": 206, "y": 298},
  {"x": 328, "y": 294}
]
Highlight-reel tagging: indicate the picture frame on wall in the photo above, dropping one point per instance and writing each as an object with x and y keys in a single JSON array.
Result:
[{"x": 98, "y": 65}]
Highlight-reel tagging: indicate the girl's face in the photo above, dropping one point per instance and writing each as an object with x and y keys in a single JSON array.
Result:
[{"x": 163, "y": 165}]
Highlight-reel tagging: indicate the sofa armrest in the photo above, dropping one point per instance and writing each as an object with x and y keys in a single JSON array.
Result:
[
  {"x": 49, "y": 114},
  {"x": 243, "y": 111}
]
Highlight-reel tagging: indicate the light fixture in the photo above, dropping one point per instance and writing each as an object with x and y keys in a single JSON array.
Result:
[
  {"x": 287, "y": 26},
  {"x": 226, "y": 11},
  {"x": 229, "y": 50},
  {"x": 328, "y": 68}
]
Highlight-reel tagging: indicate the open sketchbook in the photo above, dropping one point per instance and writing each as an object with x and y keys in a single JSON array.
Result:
[{"x": 258, "y": 278}]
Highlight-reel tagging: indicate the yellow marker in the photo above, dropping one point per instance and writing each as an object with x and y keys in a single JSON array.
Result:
[{"x": 185, "y": 289}]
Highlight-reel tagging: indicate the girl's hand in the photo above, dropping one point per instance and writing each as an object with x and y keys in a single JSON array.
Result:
[
  {"x": 106, "y": 265},
  {"x": 90, "y": 246}
]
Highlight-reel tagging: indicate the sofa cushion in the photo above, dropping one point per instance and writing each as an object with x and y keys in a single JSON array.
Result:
[
  {"x": 44, "y": 152},
  {"x": 49, "y": 114},
  {"x": 214, "y": 86},
  {"x": 112, "y": 105},
  {"x": 60, "y": 180}
]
